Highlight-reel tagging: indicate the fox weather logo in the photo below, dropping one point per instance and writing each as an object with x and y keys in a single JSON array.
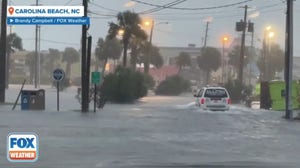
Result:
[{"x": 22, "y": 147}]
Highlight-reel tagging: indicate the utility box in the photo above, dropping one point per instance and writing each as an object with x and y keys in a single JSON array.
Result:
[{"x": 33, "y": 99}]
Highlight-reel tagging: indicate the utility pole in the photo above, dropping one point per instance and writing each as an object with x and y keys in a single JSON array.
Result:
[
  {"x": 252, "y": 55},
  {"x": 289, "y": 60},
  {"x": 206, "y": 34},
  {"x": 37, "y": 54},
  {"x": 84, "y": 86},
  {"x": 203, "y": 48},
  {"x": 241, "y": 67},
  {"x": 7, "y": 77},
  {"x": 3, "y": 51}
]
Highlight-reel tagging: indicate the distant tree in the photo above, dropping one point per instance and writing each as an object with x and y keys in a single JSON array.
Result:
[
  {"x": 273, "y": 61},
  {"x": 210, "y": 60},
  {"x": 70, "y": 56},
  {"x": 13, "y": 43},
  {"x": 108, "y": 49},
  {"x": 234, "y": 57},
  {"x": 155, "y": 56},
  {"x": 52, "y": 59},
  {"x": 128, "y": 22},
  {"x": 184, "y": 59},
  {"x": 30, "y": 62}
]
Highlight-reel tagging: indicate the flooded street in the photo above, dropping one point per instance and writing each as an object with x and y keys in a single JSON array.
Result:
[{"x": 154, "y": 132}]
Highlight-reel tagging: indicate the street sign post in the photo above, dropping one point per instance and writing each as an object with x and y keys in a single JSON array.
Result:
[
  {"x": 58, "y": 75},
  {"x": 96, "y": 79}
]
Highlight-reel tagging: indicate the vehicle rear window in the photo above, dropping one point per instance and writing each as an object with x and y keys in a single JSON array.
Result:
[{"x": 215, "y": 93}]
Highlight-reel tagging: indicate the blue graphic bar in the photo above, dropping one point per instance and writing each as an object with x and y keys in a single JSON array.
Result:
[{"x": 48, "y": 20}]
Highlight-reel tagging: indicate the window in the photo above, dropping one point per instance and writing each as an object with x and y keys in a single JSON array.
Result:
[{"x": 215, "y": 93}]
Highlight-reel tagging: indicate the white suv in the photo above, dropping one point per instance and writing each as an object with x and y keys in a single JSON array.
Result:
[{"x": 213, "y": 98}]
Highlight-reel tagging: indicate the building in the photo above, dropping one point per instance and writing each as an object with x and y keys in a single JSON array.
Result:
[{"x": 169, "y": 54}]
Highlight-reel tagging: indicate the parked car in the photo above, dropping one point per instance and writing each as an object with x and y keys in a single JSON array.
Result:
[{"x": 213, "y": 98}]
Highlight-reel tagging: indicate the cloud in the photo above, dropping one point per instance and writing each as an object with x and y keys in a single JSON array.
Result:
[
  {"x": 254, "y": 14},
  {"x": 130, "y": 4}
]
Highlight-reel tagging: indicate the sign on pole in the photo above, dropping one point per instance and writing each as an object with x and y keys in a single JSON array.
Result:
[
  {"x": 96, "y": 77},
  {"x": 58, "y": 75}
]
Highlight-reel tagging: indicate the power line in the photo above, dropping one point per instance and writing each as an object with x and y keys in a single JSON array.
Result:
[
  {"x": 99, "y": 14},
  {"x": 53, "y": 41},
  {"x": 220, "y": 11},
  {"x": 59, "y": 42},
  {"x": 102, "y": 7},
  {"x": 168, "y": 5},
  {"x": 216, "y": 16},
  {"x": 205, "y": 8}
]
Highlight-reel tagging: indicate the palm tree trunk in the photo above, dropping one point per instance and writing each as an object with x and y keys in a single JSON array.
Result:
[
  {"x": 133, "y": 58},
  {"x": 125, "y": 54}
]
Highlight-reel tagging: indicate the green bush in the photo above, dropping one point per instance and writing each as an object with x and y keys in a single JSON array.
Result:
[
  {"x": 149, "y": 81},
  {"x": 173, "y": 85},
  {"x": 124, "y": 86}
]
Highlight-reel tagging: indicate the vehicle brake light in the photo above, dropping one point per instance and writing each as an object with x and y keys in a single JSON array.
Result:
[
  {"x": 202, "y": 101},
  {"x": 228, "y": 101}
]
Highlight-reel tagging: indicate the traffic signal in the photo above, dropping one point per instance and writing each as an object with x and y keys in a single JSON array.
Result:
[
  {"x": 250, "y": 27},
  {"x": 239, "y": 26}
]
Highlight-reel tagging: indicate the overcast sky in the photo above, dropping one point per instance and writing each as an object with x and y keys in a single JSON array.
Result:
[{"x": 186, "y": 23}]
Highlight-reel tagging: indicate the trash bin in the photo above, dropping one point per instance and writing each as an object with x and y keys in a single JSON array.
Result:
[{"x": 33, "y": 99}]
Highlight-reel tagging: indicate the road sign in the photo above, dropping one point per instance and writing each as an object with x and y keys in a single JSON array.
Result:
[
  {"x": 96, "y": 77},
  {"x": 58, "y": 74}
]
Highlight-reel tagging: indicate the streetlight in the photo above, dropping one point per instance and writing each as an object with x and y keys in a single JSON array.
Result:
[
  {"x": 224, "y": 64},
  {"x": 147, "y": 58},
  {"x": 121, "y": 32}
]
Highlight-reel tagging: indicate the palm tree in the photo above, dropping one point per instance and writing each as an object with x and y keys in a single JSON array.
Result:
[
  {"x": 110, "y": 48},
  {"x": 128, "y": 22},
  {"x": 70, "y": 56},
  {"x": 210, "y": 60},
  {"x": 137, "y": 46},
  {"x": 184, "y": 59}
]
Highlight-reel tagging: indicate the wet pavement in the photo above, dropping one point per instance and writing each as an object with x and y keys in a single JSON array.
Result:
[{"x": 157, "y": 131}]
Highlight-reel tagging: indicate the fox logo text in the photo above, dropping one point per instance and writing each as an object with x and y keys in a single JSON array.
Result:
[{"x": 22, "y": 147}]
